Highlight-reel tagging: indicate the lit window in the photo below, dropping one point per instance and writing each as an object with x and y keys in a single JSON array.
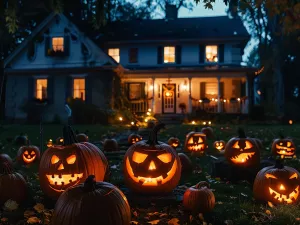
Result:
[
  {"x": 211, "y": 90},
  {"x": 114, "y": 53},
  {"x": 41, "y": 89},
  {"x": 79, "y": 88},
  {"x": 211, "y": 53},
  {"x": 169, "y": 54},
  {"x": 135, "y": 91},
  {"x": 58, "y": 44}
]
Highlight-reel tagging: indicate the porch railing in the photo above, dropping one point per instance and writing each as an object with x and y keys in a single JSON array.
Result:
[{"x": 139, "y": 106}]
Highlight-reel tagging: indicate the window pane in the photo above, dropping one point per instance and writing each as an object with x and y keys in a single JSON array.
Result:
[
  {"x": 211, "y": 90},
  {"x": 79, "y": 88},
  {"x": 169, "y": 54},
  {"x": 41, "y": 88},
  {"x": 114, "y": 53},
  {"x": 58, "y": 44},
  {"x": 211, "y": 52},
  {"x": 135, "y": 91}
]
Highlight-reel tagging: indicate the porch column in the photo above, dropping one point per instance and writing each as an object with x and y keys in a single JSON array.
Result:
[
  {"x": 190, "y": 105},
  {"x": 153, "y": 102},
  {"x": 219, "y": 94}
]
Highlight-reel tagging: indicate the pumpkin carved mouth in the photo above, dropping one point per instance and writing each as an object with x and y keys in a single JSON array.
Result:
[
  {"x": 61, "y": 182},
  {"x": 198, "y": 147},
  {"x": 283, "y": 150},
  {"x": 151, "y": 181},
  {"x": 29, "y": 158},
  {"x": 243, "y": 157},
  {"x": 280, "y": 197}
]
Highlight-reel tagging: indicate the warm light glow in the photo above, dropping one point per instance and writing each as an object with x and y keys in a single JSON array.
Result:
[
  {"x": 71, "y": 159},
  {"x": 29, "y": 158},
  {"x": 151, "y": 87},
  {"x": 216, "y": 100},
  {"x": 60, "y": 181},
  {"x": 58, "y": 44},
  {"x": 152, "y": 166},
  {"x": 258, "y": 92},
  {"x": 132, "y": 123},
  {"x": 41, "y": 88},
  {"x": 200, "y": 100},
  {"x": 209, "y": 122},
  {"x": 146, "y": 120},
  {"x": 211, "y": 53},
  {"x": 169, "y": 54},
  {"x": 149, "y": 110},
  {"x": 193, "y": 122},
  {"x": 139, "y": 157},
  {"x": 241, "y": 158},
  {"x": 239, "y": 99},
  {"x": 79, "y": 88},
  {"x": 290, "y": 122},
  {"x": 224, "y": 100},
  {"x": 148, "y": 113},
  {"x": 166, "y": 157},
  {"x": 293, "y": 196},
  {"x": 204, "y": 123},
  {"x": 54, "y": 159},
  {"x": 121, "y": 118},
  {"x": 282, "y": 187},
  {"x": 114, "y": 53}
]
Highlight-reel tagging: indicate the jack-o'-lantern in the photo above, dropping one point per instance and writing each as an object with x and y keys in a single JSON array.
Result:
[
  {"x": 278, "y": 184},
  {"x": 49, "y": 143},
  {"x": 195, "y": 142},
  {"x": 208, "y": 131},
  {"x": 134, "y": 138},
  {"x": 151, "y": 166},
  {"x": 28, "y": 154},
  {"x": 64, "y": 166},
  {"x": 284, "y": 147},
  {"x": 219, "y": 145},
  {"x": 110, "y": 145},
  {"x": 82, "y": 137},
  {"x": 242, "y": 151},
  {"x": 59, "y": 141},
  {"x": 174, "y": 142}
]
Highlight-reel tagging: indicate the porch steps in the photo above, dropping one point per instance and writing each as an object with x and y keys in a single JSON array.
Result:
[{"x": 170, "y": 118}]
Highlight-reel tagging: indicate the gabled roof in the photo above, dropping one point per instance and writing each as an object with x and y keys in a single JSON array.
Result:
[{"x": 197, "y": 28}]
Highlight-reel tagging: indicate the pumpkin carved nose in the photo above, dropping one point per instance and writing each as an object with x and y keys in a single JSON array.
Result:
[
  {"x": 61, "y": 167},
  {"x": 282, "y": 187},
  {"x": 152, "y": 166}
]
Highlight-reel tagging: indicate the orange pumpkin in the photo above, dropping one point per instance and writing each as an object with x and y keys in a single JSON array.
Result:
[
  {"x": 28, "y": 154},
  {"x": 174, "y": 142},
  {"x": 134, "y": 138},
  {"x": 283, "y": 147},
  {"x": 195, "y": 142}
]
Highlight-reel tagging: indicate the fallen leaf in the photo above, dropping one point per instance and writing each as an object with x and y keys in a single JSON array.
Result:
[
  {"x": 173, "y": 221},
  {"x": 134, "y": 222},
  {"x": 10, "y": 205},
  {"x": 163, "y": 214},
  {"x": 201, "y": 216},
  {"x": 33, "y": 220},
  {"x": 191, "y": 218},
  {"x": 270, "y": 204},
  {"x": 154, "y": 222},
  {"x": 152, "y": 213},
  {"x": 28, "y": 213},
  {"x": 39, "y": 207},
  {"x": 268, "y": 212}
]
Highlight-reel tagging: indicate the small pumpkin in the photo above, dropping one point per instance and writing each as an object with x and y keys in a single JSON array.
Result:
[
  {"x": 110, "y": 145},
  {"x": 64, "y": 166},
  {"x": 278, "y": 184},
  {"x": 219, "y": 145},
  {"x": 49, "y": 143},
  {"x": 12, "y": 185},
  {"x": 59, "y": 141},
  {"x": 28, "y": 154},
  {"x": 186, "y": 163},
  {"x": 151, "y": 167},
  {"x": 174, "y": 142},
  {"x": 242, "y": 151},
  {"x": 208, "y": 131},
  {"x": 94, "y": 203},
  {"x": 283, "y": 147},
  {"x": 195, "y": 142},
  {"x": 21, "y": 139},
  {"x": 82, "y": 137},
  {"x": 134, "y": 138},
  {"x": 199, "y": 198}
]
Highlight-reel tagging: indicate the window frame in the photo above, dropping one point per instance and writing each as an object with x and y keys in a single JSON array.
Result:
[
  {"x": 169, "y": 46},
  {"x": 211, "y": 62},
  {"x": 128, "y": 90},
  {"x": 113, "y": 55},
  {"x": 63, "y": 44},
  {"x": 36, "y": 88},
  {"x": 80, "y": 89},
  {"x": 130, "y": 56}
]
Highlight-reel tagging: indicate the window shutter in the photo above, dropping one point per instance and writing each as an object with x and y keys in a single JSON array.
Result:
[
  {"x": 242, "y": 89},
  {"x": 202, "y": 90},
  {"x": 47, "y": 45},
  {"x": 89, "y": 89},
  {"x": 31, "y": 88},
  {"x": 221, "y": 53},
  {"x": 50, "y": 89},
  {"x": 143, "y": 94},
  {"x": 201, "y": 53},
  {"x": 159, "y": 55},
  {"x": 126, "y": 90},
  {"x": 67, "y": 45},
  {"x": 236, "y": 88},
  {"x": 178, "y": 54},
  {"x": 221, "y": 89},
  {"x": 69, "y": 87}
]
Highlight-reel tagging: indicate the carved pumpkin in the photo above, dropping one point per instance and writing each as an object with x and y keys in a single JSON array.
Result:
[
  {"x": 64, "y": 166},
  {"x": 199, "y": 198},
  {"x": 93, "y": 203},
  {"x": 219, "y": 145},
  {"x": 195, "y": 142},
  {"x": 173, "y": 142},
  {"x": 110, "y": 145},
  {"x": 28, "y": 154},
  {"x": 283, "y": 147},
  {"x": 208, "y": 131},
  {"x": 59, "y": 141},
  {"x": 134, "y": 138},
  {"x": 82, "y": 137},
  {"x": 151, "y": 166},
  {"x": 49, "y": 143},
  {"x": 242, "y": 151},
  {"x": 277, "y": 184},
  {"x": 186, "y": 163},
  {"x": 12, "y": 185}
]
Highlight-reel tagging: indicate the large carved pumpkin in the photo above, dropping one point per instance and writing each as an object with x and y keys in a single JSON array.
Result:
[
  {"x": 242, "y": 151},
  {"x": 28, "y": 154},
  {"x": 283, "y": 147},
  {"x": 92, "y": 203},
  {"x": 64, "y": 166},
  {"x": 134, "y": 138},
  {"x": 151, "y": 166},
  {"x": 277, "y": 184},
  {"x": 195, "y": 142}
]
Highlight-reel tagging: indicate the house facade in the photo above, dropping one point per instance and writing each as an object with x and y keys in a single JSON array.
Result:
[{"x": 55, "y": 63}]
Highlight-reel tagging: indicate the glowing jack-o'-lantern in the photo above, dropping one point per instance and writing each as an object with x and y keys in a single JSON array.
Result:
[
  {"x": 49, "y": 143},
  {"x": 151, "y": 166},
  {"x": 195, "y": 142},
  {"x": 277, "y": 184},
  {"x": 284, "y": 147},
  {"x": 134, "y": 138},
  {"x": 59, "y": 141},
  {"x": 242, "y": 151},
  {"x": 63, "y": 166},
  {"x": 28, "y": 154},
  {"x": 219, "y": 145},
  {"x": 174, "y": 142}
]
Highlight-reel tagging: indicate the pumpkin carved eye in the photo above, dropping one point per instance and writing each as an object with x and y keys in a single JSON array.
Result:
[
  {"x": 270, "y": 176},
  {"x": 26, "y": 153},
  {"x": 166, "y": 157},
  {"x": 289, "y": 144},
  {"x": 71, "y": 159},
  {"x": 54, "y": 159},
  {"x": 139, "y": 157},
  {"x": 191, "y": 141},
  {"x": 294, "y": 176},
  {"x": 200, "y": 140},
  {"x": 248, "y": 145},
  {"x": 236, "y": 145},
  {"x": 32, "y": 153}
]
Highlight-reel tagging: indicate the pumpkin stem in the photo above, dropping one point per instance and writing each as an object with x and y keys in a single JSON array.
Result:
[
  {"x": 241, "y": 133},
  {"x": 279, "y": 164},
  {"x": 153, "y": 134},
  {"x": 281, "y": 136},
  {"x": 202, "y": 184},
  {"x": 90, "y": 183},
  {"x": 69, "y": 136}
]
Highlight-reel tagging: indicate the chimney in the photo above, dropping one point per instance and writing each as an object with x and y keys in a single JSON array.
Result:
[{"x": 171, "y": 12}]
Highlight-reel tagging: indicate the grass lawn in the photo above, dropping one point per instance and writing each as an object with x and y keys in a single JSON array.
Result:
[{"x": 234, "y": 202}]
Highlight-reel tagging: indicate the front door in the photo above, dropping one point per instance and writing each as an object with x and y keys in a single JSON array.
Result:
[{"x": 169, "y": 94}]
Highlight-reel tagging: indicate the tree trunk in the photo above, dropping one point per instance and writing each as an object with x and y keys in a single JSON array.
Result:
[{"x": 2, "y": 89}]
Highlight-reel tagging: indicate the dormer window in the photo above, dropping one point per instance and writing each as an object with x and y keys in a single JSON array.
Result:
[
  {"x": 211, "y": 53},
  {"x": 114, "y": 53},
  {"x": 58, "y": 44},
  {"x": 169, "y": 54}
]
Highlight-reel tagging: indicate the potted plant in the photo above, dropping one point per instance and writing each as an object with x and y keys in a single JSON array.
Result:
[{"x": 182, "y": 106}]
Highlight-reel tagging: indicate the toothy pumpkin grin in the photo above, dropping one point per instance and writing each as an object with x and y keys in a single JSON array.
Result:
[
  {"x": 283, "y": 150},
  {"x": 243, "y": 157},
  {"x": 280, "y": 197},
  {"x": 198, "y": 147},
  {"x": 28, "y": 158},
  {"x": 62, "y": 182}
]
